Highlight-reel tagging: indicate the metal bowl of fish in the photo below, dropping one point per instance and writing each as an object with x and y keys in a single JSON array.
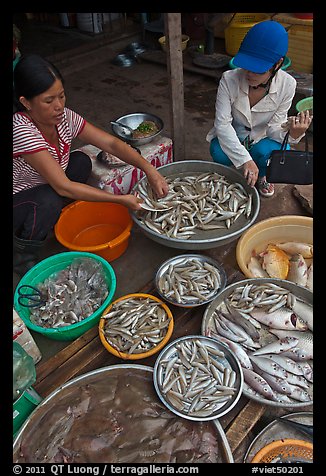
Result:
[
  {"x": 136, "y": 326},
  {"x": 268, "y": 324},
  {"x": 278, "y": 247},
  {"x": 208, "y": 205},
  {"x": 198, "y": 378},
  {"x": 190, "y": 280}
]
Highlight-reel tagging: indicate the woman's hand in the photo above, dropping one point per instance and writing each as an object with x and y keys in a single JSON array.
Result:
[
  {"x": 250, "y": 172},
  {"x": 132, "y": 202},
  {"x": 299, "y": 124},
  {"x": 157, "y": 182}
]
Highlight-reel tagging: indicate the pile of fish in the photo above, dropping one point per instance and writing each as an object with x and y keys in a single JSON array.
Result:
[
  {"x": 189, "y": 281},
  {"x": 194, "y": 202},
  {"x": 196, "y": 379},
  {"x": 135, "y": 325},
  {"x": 291, "y": 260},
  {"x": 115, "y": 416},
  {"x": 248, "y": 321},
  {"x": 71, "y": 295}
]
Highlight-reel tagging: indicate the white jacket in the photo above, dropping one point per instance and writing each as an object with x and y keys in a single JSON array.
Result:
[{"x": 234, "y": 120}]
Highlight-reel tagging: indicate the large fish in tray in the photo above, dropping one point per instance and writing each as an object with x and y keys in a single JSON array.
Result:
[
  {"x": 278, "y": 369},
  {"x": 283, "y": 318}
]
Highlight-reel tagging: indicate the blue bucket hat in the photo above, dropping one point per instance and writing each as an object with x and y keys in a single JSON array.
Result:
[{"x": 262, "y": 47}]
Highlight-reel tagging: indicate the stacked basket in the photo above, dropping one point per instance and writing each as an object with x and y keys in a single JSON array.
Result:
[{"x": 238, "y": 28}]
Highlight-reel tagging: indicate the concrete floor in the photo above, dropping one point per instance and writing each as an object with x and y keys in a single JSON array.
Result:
[{"x": 101, "y": 91}]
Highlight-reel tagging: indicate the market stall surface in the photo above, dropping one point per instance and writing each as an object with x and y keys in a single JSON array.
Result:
[{"x": 101, "y": 91}]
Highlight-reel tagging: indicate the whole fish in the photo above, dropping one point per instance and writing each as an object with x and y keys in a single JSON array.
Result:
[
  {"x": 293, "y": 247},
  {"x": 224, "y": 330},
  {"x": 307, "y": 371},
  {"x": 298, "y": 381},
  {"x": 298, "y": 270},
  {"x": 303, "y": 310},
  {"x": 278, "y": 384},
  {"x": 275, "y": 262},
  {"x": 238, "y": 330},
  {"x": 305, "y": 340},
  {"x": 280, "y": 345},
  {"x": 256, "y": 269},
  {"x": 283, "y": 318},
  {"x": 297, "y": 354},
  {"x": 300, "y": 394},
  {"x": 258, "y": 383},
  {"x": 240, "y": 353},
  {"x": 287, "y": 363},
  {"x": 235, "y": 316},
  {"x": 269, "y": 366}
]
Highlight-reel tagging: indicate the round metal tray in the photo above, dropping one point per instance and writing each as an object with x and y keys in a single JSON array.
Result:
[
  {"x": 229, "y": 360},
  {"x": 177, "y": 260},
  {"x": 276, "y": 431},
  {"x": 34, "y": 420},
  {"x": 213, "y": 61},
  {"x": 266, "y": 336},
  {"x": 211, "y": 238}
]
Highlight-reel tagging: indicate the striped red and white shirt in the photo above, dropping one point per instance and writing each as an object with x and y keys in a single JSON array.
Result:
[{"x": 28, "y": 139}]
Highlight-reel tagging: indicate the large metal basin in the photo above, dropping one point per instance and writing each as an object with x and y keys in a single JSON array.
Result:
[
  {"x": 211, "y": 238},
  {"x": 37, "y": 438}
]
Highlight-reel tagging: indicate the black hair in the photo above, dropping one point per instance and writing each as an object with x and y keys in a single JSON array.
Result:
[{"x": 33, "y": 75}]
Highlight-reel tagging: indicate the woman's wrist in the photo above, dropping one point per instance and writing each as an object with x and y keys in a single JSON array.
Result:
[{"x": 296, "y": 135}]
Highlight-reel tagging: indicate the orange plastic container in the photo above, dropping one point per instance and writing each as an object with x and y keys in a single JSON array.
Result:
[
  {"x": 142, "y": 355},
  {"x": 95, "y": 227}
]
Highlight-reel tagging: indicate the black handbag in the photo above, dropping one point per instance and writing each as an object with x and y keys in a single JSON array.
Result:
[{"x": 290, "y": 166}]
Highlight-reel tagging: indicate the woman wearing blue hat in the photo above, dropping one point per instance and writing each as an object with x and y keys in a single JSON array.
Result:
[{"x": 252, "y": 104}]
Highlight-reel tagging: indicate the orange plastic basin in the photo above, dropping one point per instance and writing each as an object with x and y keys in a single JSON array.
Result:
[
  {"x": 142, "y": 355},
  {"x": 95, "y": 227}
]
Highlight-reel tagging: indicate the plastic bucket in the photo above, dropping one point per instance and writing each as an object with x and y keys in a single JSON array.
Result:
[
  {"x": 43, "y": 270},
  {"x": 23, "y": 407},
  {"x": 305, "y": 104},
  {"x": 272, "y": 230},
  {"x": 95, "y": 227},
  {"x": 286, "y": 64}
]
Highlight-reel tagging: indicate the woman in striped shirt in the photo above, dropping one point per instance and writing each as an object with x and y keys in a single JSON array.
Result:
[{"x": 45, "y": 171}]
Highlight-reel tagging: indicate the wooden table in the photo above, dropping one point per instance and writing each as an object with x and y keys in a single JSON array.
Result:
[{"x": 87, "y": 353}]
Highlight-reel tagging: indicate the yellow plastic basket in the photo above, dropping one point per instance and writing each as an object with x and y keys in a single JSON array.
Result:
[{"x": 238, "y": 27}]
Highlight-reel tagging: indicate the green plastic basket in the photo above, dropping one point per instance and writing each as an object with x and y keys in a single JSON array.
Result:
[
  {"x": 305, "y": 104},
  {"x": 286, "y": 64},
  {"x": 43, "y": 270}
]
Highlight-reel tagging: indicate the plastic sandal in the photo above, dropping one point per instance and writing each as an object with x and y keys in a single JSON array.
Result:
[{"x": 265, "y": 188}]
